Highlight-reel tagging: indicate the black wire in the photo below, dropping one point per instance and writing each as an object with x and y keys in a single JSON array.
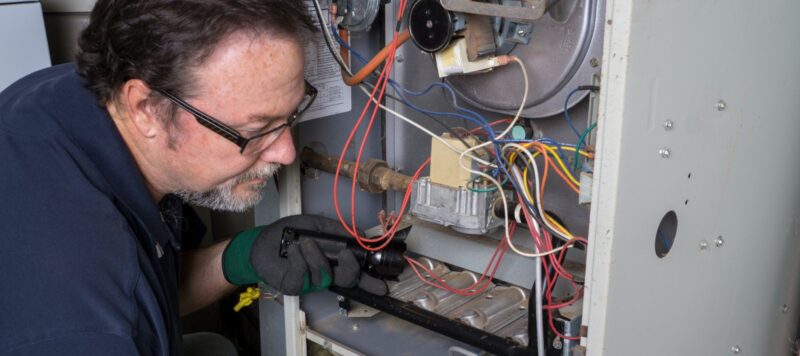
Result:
[
  {"x": 318, "y": 11},
  {"x": 345, "y": 69}
]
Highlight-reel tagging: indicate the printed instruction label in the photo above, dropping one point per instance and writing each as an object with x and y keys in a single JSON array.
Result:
[{"x": 322, "y": 71}]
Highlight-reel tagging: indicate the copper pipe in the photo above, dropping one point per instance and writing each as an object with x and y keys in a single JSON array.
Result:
[{"x": 374, "y": 175}]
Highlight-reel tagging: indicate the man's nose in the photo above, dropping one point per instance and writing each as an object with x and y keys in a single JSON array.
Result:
[{"x": 281, "y": 151}]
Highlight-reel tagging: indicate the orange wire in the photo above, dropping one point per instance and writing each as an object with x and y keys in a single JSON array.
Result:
[
  {"x": 375, "y": 61},
  {"x": 549, "y": 161}
]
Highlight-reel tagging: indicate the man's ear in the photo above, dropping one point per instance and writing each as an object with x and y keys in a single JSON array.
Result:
[{"x": 135, "y": 100}]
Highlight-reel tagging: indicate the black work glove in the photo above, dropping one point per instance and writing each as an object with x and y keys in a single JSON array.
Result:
[{"x": 254, "y": 255}]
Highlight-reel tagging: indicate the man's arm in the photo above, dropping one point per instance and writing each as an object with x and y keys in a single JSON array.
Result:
[{"x": 201, "y": 281}]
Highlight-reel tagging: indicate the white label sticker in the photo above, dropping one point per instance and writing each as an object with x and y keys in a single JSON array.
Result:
[{"x": 322, "y": 71}]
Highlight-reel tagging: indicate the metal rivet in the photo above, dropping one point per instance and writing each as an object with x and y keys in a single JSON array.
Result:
[
  {"x": 355, "y": 327},
  {"x": 399, "y": 58},
  {"x": 721, "y": 105},
  {"x": 664, "y": 152},
  {"x": 703, "y": 245},
  {"x": 668, "y": 125},
  {"x": 719, "y": 241},
  {"x": 736, "y": 349},
  {"x": 594, "y": 62},
  {"x": 784, "y": 308}
]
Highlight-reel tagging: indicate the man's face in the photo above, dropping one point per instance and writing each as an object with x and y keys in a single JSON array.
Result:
[{"x": 250, "y": 83}]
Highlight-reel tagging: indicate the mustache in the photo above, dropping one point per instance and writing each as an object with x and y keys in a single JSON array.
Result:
[{"x": 263, "y": 172}]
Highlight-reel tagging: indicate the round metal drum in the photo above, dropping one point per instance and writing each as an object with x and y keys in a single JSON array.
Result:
[
  {"x": 430, "y": 25},
  {"x": 564, "y": 52}
]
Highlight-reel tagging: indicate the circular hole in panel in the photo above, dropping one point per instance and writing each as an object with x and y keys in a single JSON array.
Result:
[
  {"x": 689, "y": 176},
  {"x": 686, "y": 202},
  {"x": 665, "y": 234}
]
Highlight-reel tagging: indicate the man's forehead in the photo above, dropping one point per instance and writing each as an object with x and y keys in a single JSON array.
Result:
[
  {"x": 264, "y": 61},
  {"x": 261, "y": 78}
]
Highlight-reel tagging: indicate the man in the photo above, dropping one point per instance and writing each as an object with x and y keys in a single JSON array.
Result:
[{"x": 170, "y": 102}]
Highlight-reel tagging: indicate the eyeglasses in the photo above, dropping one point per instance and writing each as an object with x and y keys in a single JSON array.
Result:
[{"x": 257, "y": 143}]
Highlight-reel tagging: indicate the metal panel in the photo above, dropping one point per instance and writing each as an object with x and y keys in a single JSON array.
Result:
[
  {"x": 725, "y": 74},
  {"x": 51, "y": 6},
  {"x": 23, "y": 41},
  {"x": 328, "y": 136}
]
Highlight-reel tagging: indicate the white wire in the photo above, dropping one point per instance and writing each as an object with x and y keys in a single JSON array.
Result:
[
  {"x": 461, "y": 153},
  {"x": 524, "y": 98},
  {"x": 537, "y": 190},
  {"x": 326, "y": 31},
  {"x": 423, "y": 129}
]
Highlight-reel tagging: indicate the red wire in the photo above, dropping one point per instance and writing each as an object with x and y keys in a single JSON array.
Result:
[
  {"x": 502, "y": 247},
  {"x": 381, "y": 88}
]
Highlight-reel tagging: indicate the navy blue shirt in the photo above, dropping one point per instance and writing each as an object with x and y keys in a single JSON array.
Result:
[{"x": 88, "y": 263}]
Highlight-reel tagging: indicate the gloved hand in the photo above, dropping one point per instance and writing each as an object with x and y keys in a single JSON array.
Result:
[{"x": 253, "y": 255}]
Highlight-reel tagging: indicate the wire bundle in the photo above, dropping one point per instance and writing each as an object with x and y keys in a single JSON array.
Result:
[{"x": 509, "y": 165}]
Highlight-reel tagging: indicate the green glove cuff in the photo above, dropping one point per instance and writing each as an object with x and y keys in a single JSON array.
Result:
[
  {"x": 325, "y": 282},
  {"x": 236, "y": 266}
]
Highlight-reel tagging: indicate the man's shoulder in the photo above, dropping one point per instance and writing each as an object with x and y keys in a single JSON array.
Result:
[{"x": 34, "y": 105}]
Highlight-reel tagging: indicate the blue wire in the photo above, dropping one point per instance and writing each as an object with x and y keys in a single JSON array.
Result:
[
  {"x": 558, "y": 145},
  {"x": 476, "y": 117},
  {"x": 566, "y": 112},
  {"x": 345, "y": 45}
]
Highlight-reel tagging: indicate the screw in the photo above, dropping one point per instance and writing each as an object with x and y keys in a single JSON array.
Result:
[
  {"x": 594, "y": 62},
  {"x": 664, "y": 152},
  {"x": 557, "y": 344},
  {"x": 719, "y": 241},
  {"x": 736, "y": 349},
  {"x": 721, "y": 105},
  {"x": 703, "y": 245},
  {"x": 340, "y": 298},
  {"x": 399, "y": 58},
  {"x": 521, "y": 32},
  {"x": 667, "y": 125},
  {"x": 784, "y": 308},
  {"x": 355, "y": 327}
]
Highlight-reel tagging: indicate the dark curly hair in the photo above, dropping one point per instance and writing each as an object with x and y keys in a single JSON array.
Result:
[{"x": 160, "y": 41}]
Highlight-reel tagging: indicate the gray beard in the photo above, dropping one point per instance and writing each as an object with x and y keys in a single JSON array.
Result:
[{"x": 222, "y": 197}]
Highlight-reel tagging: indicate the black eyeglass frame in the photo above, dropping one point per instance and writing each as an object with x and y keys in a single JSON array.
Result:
[{"x": 230, "y": 133}]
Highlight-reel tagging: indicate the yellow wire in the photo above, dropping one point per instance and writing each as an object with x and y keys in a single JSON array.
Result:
[
  {"x": 549, "y": 218},
  {"x": 572, "y": 149},
  {"x": 563, "y": 166},
  {"x": 525, "y": 178},
  {"x": 560, "y": 228}
]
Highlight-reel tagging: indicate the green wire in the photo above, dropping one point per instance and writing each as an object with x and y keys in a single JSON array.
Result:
[{"x": 578, "y": 147}]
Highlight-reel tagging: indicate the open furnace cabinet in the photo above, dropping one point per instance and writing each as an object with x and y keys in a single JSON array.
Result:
[{"x": 689, "y": 202}]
